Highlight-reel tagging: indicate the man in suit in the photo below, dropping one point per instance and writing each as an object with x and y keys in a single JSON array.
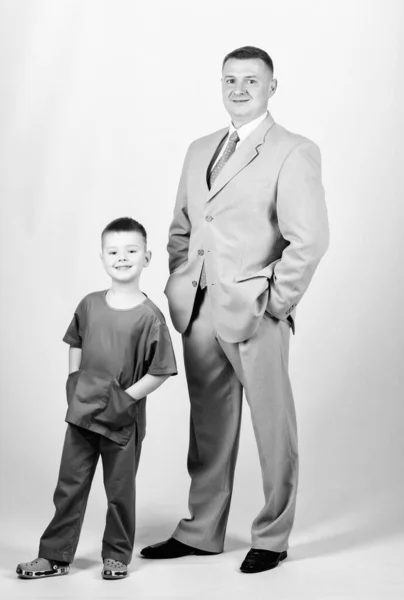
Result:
[{"x": 249, "y": 229}]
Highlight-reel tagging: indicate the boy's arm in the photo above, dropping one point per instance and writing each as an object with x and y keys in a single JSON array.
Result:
[
  {"x": 74, "y": 359},
  {"x": 146, "y": 385}
]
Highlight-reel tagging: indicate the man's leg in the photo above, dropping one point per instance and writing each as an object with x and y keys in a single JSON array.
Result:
[
  {"x": 120, "y": 465},
  {"x": 215, "y": 395},
  {"x": 263, "y": 360},
  {"x": 77, "y": 468}
]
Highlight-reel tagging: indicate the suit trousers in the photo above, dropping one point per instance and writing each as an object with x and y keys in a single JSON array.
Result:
[
  {"x": 81, "y": 451},
  {"x": 217, "y": 372}
]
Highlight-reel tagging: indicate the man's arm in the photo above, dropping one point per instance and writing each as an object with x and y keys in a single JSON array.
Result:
[
  {"x": 180, "y": 228},
  {"x": 303, "y": 222},
  {"x": 74, "y": 359}
]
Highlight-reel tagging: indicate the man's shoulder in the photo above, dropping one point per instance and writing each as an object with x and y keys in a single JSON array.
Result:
[
  {"x": 207, "y": 139},
  {"x": 288, "y": 139}
]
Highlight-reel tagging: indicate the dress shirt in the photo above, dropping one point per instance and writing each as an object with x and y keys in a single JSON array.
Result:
[{"x": 243, "y": 132}]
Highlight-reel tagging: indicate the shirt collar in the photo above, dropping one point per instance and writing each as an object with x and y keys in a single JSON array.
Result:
[{"x": 245, "y": 130}]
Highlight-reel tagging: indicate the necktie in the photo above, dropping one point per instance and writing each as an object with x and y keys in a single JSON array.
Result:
[{"x": 228, "y": 151}]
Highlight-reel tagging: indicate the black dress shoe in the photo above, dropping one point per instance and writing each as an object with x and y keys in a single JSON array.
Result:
[
  {"x": 172, "y": 548},
  {"x": 261, "y": 560}
]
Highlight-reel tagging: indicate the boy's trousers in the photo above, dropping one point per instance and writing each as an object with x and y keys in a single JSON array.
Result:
[{"x": 81, "y": 451}]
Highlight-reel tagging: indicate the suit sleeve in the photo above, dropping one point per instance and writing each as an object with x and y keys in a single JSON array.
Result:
[
  {"x": 180, "y": 228},
  {"x": 303, "y": 223}
]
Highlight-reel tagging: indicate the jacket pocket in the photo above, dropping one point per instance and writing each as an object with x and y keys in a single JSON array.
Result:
[
  {"x": 71, "y": 384},
  {"x": 119, "y": 411},
  {"x": 265, "y": 272}
]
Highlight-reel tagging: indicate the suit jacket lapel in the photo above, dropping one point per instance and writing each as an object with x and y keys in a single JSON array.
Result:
[
  {"x": 242, "y": 157},
  {"x": 206, "y": 156}
]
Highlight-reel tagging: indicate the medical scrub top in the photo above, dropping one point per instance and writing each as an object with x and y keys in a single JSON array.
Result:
[{"x": 119, "y": 346}]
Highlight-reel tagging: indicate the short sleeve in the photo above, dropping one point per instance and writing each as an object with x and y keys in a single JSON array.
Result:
[
  {"x": 74, "y": 333},
  {"x": 160, "y": 351}
]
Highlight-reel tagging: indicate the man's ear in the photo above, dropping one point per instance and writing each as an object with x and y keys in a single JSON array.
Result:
[{"x": 272, "y": 87}]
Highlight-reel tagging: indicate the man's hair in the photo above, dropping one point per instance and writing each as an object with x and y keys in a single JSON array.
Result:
[
  {"x": 124, "y": 224},
  {"x": 250, "y": 52}
]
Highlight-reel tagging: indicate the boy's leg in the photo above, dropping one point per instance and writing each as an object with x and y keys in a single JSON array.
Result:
[
  {"x": 120, "y": 465},
  {"x": 77, "y": 468}
]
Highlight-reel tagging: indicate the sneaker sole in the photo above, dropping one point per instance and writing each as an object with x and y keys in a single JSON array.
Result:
[
  {"x": 23, "y": 574},
  {"x": 109, "y": 574}
]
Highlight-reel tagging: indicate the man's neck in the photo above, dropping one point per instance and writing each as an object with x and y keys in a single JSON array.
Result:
[{"x": 238, "y": 123}]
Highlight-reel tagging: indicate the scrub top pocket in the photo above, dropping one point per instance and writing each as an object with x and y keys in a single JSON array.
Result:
[
  {"x": 71, "y": 384},
  {"x": 119, "y": 411}
]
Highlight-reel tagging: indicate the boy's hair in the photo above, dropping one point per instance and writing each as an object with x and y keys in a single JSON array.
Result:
[
  {"x": 250, "y": 52},
  {"x": 124, "y": 224}
]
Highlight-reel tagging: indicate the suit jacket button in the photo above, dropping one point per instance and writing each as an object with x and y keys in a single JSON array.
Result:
[
  {"x": 194, "y": 283},
  {"x": 208, "y": 218},
  {"x": 200, "y": 252}
]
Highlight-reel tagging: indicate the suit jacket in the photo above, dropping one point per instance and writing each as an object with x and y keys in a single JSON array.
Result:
[{"x": 261, "y": 230}]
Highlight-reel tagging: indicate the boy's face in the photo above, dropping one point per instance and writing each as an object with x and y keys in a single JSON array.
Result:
[{"x": 124, "y": 255}]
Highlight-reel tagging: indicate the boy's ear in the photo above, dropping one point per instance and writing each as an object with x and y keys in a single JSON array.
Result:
[{"x": 147, "y": 258}]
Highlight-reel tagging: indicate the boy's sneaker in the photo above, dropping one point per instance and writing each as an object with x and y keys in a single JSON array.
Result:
[
  {"x": 42, "y": 567},
  {"x": 113, "y": 569}
]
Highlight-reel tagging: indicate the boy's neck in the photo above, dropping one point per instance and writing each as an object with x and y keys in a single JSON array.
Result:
[{"x": 124, "y": 295}]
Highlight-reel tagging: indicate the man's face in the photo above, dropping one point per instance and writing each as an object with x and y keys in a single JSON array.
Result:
[
  {"x": 124, "y": 255},
  {"x": 247, "y": 84}
]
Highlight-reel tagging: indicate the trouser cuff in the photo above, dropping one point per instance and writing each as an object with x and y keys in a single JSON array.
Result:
[
  {"x": 123, "y": 558},
  {"x": 180, "y": 537},
  {"x": 52, "y": 555}
]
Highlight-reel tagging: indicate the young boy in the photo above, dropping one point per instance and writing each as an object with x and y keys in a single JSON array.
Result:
[{"x": 120, "y": 351}]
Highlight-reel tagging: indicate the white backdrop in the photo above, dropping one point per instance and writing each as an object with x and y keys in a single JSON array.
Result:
[{"x": 99, "y": 101}]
